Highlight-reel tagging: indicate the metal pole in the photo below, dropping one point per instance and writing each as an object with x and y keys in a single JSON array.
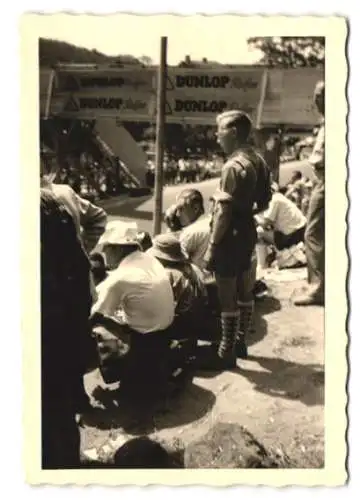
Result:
[
  {"x": 160, "y": 129},
  {"x": 262, "y": 98}
]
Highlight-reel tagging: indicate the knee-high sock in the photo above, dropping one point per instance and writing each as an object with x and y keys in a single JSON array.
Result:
[
  {"x": 229, "y": 323},
  {"x": 246, "y": 312}
]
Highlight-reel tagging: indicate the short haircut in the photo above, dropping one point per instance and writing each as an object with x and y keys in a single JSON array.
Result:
[
  {"x": 297, "y": 174},
  {"x": 238, "y": 120},
  {"x": 243, "y": 126},
  {"x": 192, "y": 197}
]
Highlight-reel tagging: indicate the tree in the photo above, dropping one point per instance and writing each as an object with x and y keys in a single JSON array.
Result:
[
  {"x": 290, "y": 52},
  {"x": 125, "y": 60},
  {"x": 52, "y": 52},
  {"x": 146, "y": 60}
]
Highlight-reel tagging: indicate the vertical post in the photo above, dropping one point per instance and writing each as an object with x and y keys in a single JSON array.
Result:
[
  {"x": 49, "y": 94},
  {"x": 160, "y": 129},
  {"x": 260, "y": 107}
]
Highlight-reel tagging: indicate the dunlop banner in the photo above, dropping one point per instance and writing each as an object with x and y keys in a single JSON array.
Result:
[
  {"x": 193, "y": 95},
  {"x": 128, "y": 80},
  {"x": 182, "y": 107},
  {"x": 201, "y": 111},
  {"x": 199, "y": 95},
  {"x": 82, "y": 105},
  {"x": 108, "y": 93},
  {"x": 230, "y": 81}
]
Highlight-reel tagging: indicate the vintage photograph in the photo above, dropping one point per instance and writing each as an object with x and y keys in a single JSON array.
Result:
[{"x": 181, "y": 199}]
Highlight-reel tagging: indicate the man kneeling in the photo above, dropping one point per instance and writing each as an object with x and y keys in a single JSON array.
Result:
[
  {"x": 190, "y": 307},
  {"x": 133, "y": 311},
  {"x": 187, "y": 284},
  {"x": 282, "y": 225}
]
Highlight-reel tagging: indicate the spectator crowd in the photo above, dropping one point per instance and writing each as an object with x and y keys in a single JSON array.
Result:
[{"x": 185, "y": 169}]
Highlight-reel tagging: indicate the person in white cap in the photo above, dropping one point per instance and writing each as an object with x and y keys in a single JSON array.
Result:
[{"x": 135, "y": 303}]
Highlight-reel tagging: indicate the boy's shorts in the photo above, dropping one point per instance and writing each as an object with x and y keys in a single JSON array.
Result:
[{"x": 233, "y": 255}]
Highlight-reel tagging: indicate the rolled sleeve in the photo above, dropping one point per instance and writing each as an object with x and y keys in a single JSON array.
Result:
[
  {"x": 109, "y": 298},
  {"x": 271, "y": 213},
  {"x": 229, "y": 180}
]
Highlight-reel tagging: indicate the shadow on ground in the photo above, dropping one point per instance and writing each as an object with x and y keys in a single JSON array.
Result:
[
  {"x": 288, "y": 380},
  {"x": 189, "y": 406},
  {"x": 267, "y": 305}
]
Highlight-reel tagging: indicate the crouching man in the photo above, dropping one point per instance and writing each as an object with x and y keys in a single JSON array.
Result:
[
  {"x": 190, "y": 306},
  {"x": 186, "y": 282},
  {"x": 134, "y": 309},
  {"x": 282, "y": 224}
]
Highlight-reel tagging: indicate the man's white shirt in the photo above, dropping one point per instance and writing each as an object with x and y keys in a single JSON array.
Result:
[
  {"x": 284, "y": 215},
  {"x": 194, "y": 240},
  {"x": 141, "y": 289}
]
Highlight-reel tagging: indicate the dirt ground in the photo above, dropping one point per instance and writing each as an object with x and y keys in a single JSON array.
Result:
[{"x": 277, "y": 393}]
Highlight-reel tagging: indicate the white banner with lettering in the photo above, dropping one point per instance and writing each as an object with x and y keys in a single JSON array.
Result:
[{"x": 193, "y": 95}]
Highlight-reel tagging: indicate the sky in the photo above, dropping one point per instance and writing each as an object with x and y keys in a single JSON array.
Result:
[{"x": 138, "y": 35}]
